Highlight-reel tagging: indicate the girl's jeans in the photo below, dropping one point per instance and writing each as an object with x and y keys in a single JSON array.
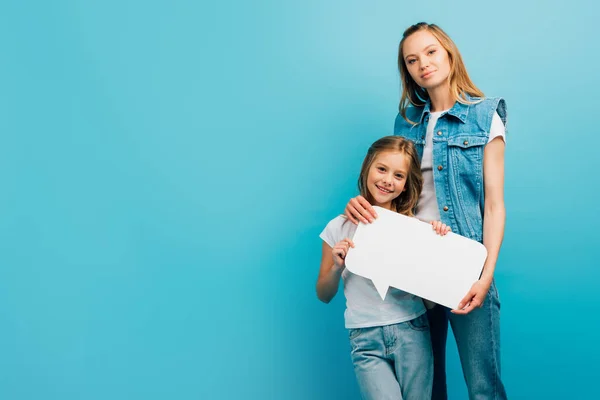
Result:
[{"x": 394, "y": 361}]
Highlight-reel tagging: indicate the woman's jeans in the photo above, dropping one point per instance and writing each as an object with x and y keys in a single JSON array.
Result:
[
  {"x": 478, "y": 340},
  {"x": 394, "y": 361}
]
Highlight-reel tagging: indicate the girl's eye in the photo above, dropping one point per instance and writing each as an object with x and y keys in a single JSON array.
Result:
[
  {"x": 411, "y": 61},
  {"x": 381, "y": 169},
  {"x": 400, "y": 176},
  {"x": 431, "y": 52}
]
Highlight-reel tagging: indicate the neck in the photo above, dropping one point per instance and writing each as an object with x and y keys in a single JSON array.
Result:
[
  {"x": 387, "y": 206},
  {"x": 440, "y": 98}
]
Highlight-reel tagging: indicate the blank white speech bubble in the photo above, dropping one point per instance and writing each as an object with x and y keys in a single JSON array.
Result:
[{"x": 405, "y": 253}]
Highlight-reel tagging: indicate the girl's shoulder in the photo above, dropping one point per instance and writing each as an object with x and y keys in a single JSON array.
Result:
[{"x": 340, "y": 227}]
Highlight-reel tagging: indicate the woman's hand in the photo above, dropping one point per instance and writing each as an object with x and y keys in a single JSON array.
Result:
[
  {"x": 339, "y": 252},
  {"x": 440, "y": 228},
  {"x": 359, "y": 209},
  {"x": 474, "y": 298}
]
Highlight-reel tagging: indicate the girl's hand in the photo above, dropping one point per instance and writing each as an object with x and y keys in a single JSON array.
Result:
[
  {"x": 440, "y": 228},
  {"x": 359, "y": 209},
  {"x": 339, "y": 252}
]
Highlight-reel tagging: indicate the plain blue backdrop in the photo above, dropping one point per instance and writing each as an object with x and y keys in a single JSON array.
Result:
[{"x": 166, "y": 168}]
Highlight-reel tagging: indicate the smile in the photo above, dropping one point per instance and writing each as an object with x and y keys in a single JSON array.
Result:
[{"x": 384, "y": 190}]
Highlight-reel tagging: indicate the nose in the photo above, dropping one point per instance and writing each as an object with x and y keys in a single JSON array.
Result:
[{"x": 423, "y": 63}]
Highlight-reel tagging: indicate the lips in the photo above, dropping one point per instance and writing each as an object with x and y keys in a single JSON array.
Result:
[
  {"x": 383, "y": 190},
  {"x": 427, "y": 75}
]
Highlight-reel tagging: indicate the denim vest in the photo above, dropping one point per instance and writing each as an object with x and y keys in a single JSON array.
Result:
[{"x": 459, "y": 138}]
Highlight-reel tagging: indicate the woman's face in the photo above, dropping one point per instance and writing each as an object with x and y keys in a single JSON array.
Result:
[{"x": 426, "y": 60}]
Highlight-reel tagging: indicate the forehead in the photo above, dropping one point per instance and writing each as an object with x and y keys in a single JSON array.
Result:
[
  {"x": 393, "y": 159},
  {"x": 418, "y": 41}
]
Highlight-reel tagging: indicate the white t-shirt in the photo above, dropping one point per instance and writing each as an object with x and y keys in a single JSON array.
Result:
[
  {"x": 427, "y": 208},
  {"x": 364, "y": 307}
]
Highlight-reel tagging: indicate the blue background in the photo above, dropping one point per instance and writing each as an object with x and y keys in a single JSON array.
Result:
[{"x": 166, "y": 168}]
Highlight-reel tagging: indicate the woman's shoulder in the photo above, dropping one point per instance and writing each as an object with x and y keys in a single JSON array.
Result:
[
  {"x": 491, "y": 103},
  {"x": 413, "y": 117},
  {"x": 486, "y": 107}
]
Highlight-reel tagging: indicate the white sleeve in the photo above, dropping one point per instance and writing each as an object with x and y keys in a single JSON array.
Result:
[
  {"x": 332, "y": 232},
  {"x": 497, "y": 128}
]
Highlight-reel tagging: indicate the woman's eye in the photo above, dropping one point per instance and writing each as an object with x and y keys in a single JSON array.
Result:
[
  {"x": 431, "y": 52},
  {"x": 381, "y": 169},
  {"x": 411, "y": 61}
]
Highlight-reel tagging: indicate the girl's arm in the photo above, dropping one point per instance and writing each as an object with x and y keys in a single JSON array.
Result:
[
  {"x": 493, "y": 223},
  {"x": 332, "y": 265}
]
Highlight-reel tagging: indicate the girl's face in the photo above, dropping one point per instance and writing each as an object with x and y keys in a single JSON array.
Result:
[
  {"x": 426, "y": 60},
  {"x": 387, "y": 177}
]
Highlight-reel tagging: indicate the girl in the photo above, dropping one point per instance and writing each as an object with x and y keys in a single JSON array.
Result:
[
  {"x": 391, "y": 345},
  {"x": 459, "y": 135}
]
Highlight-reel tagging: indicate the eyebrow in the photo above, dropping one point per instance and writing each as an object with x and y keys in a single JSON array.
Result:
[{"x": 408, "y": 55}]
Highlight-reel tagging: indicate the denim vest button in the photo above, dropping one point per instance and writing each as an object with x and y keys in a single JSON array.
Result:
[
  {"x": 445, "y": 208},
  {"x": 439, "y": 133},
  {"x": 440, "y": 168},
  {"x": 466, "y": 142}
]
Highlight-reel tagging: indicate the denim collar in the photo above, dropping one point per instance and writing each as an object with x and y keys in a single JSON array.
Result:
[{"x": 458, "y": 110}]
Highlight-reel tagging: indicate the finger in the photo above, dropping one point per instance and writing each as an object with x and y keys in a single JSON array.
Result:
[
  {"x": 350, "y": 242},
  {"x": 478, "y": 301},
  {"x": 366, "y": 210},
  {"x": 466, "y": 300},
  {"x": 349, "y": 215},
  {"x": 359, "y": 211},
  {"x": 465, "y": 311},
  {"x": 354, "y": 213},
  {"x": 367, "y": 206}
]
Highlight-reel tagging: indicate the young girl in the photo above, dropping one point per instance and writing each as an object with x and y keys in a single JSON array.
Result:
[
  {"x": 391, "y": 345},
  {"x": 459, "y": 135}
]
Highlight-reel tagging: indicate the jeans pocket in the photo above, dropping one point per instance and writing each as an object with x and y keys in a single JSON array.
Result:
[
  {"x": 493, "y": 294},
  {"x": 421, "y": 323},
  {"x": 353, "y": 333}
]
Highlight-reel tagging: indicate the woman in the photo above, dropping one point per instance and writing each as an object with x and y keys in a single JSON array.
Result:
[{"x": 459, "y": 135}]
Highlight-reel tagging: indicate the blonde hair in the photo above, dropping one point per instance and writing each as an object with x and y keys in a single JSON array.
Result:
[
  {"x": 460, "y": 83},
  {"x": 407, "y": 200}
]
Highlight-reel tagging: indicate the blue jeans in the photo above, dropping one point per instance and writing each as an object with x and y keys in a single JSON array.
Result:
[
  {"x": 478, "y": 341},
  {"x": 393, "y": 361}
]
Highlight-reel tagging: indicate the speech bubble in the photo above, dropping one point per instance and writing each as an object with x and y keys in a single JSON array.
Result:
[{"x": 405, "y": 253}]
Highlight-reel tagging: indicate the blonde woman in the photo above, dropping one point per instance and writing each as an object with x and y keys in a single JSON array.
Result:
[{"x": 460, "y": 137}]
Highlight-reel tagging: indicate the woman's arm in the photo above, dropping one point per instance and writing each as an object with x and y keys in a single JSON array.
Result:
[
  {"x": 332, "y": 265},
  {"x": 494, "y": 216}
]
